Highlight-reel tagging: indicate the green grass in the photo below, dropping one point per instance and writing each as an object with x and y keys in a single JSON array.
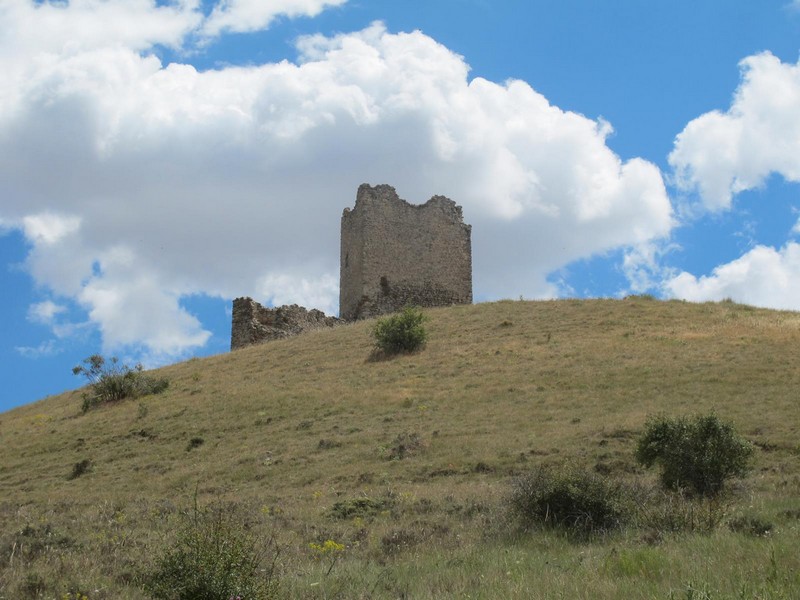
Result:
[{"x": 293, "y": 428}]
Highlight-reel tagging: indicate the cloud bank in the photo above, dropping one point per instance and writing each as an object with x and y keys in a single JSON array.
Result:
[
  {"x": 764, "y": 276},
  {"x": 721, "y": 154},
  {"x": 138, "y": 183}
]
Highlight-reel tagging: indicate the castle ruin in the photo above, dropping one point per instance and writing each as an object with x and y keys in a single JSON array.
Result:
[{"x": 393, "y": 254}]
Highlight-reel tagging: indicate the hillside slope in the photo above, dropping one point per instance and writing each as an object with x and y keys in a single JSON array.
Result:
[{"x": 292, "y": 427}]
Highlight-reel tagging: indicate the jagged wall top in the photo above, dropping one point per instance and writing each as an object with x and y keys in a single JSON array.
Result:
[
  {"x": 386, "y": 193},
  {"x": 254, "y": 324}
]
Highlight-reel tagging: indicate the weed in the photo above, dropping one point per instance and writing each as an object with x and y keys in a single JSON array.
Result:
[
  {"x": 328, "y": 550},
  {"x": 699, "y": 454},
  {"x": 751, "y": 525},
  {"x": 398, "y": 540},
  {"x": 693, "y": 593},
  {"x": 662, "y": 511},
  {"x": 632, "y": 562},
  {"x": 141, "y": 411},
  {"x": 33, "y": 585}
]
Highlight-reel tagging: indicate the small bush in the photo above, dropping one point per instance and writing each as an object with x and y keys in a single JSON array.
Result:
[
  {"x": 403, "y": 332},
  {"x": 404, "y": 446},
  {"x": 110, "y": 381},
  {"x": 195, "y": 442},
  {"x": 214, "y": 558},
  {"x": 80, "y": 468},
  {"x": 577, "y": 501},
  {"x": 697, "y": 454}
]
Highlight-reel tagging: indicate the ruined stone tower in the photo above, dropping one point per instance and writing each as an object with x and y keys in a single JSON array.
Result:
[{"x": 394, "y": 253}]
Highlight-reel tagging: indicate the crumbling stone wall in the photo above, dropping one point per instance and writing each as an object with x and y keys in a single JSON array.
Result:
[
  {"x": 394, "y": 253},
  {"x": 254, "y": 324}
]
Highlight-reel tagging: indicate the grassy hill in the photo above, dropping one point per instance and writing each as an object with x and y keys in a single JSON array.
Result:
[{"x": 407, "y": 462}]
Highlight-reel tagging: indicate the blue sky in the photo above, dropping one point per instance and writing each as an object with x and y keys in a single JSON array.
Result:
[{"x": 158, "y": 159}]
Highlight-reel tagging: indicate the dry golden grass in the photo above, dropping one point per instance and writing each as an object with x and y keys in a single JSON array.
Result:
[{"x": 290, "y": 428}]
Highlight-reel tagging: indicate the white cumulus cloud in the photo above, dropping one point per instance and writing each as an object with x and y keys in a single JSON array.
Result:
[
  {"x": 138, "y": 184},
  {"x": 45, "y": 312},
  {"x": 254, "y": 15},
  {"x": 763, "y": 277},
  {"x": 720, "y": 154},
  {"x": 47, "y": 229}
]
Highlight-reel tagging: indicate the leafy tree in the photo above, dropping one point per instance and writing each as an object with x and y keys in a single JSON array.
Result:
[{"x": 698, "y": 454}]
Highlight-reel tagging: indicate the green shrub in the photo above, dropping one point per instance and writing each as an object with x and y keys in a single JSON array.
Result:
[
  {"x": 215, "y": 557},
  {"x": 403, "y": 332},
  {"x": 697, "y": 454},
  {"x": 580, "y": 502},
  {"x": 110, "y": 381}
]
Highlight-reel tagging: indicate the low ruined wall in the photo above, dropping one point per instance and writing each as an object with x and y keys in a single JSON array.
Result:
[{"x": 254, "y": 324}]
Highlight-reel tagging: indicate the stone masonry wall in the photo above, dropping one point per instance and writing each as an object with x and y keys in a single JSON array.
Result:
[
  {"x": 394, "y": 253},
  {"x": 254, "y": 324}
]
